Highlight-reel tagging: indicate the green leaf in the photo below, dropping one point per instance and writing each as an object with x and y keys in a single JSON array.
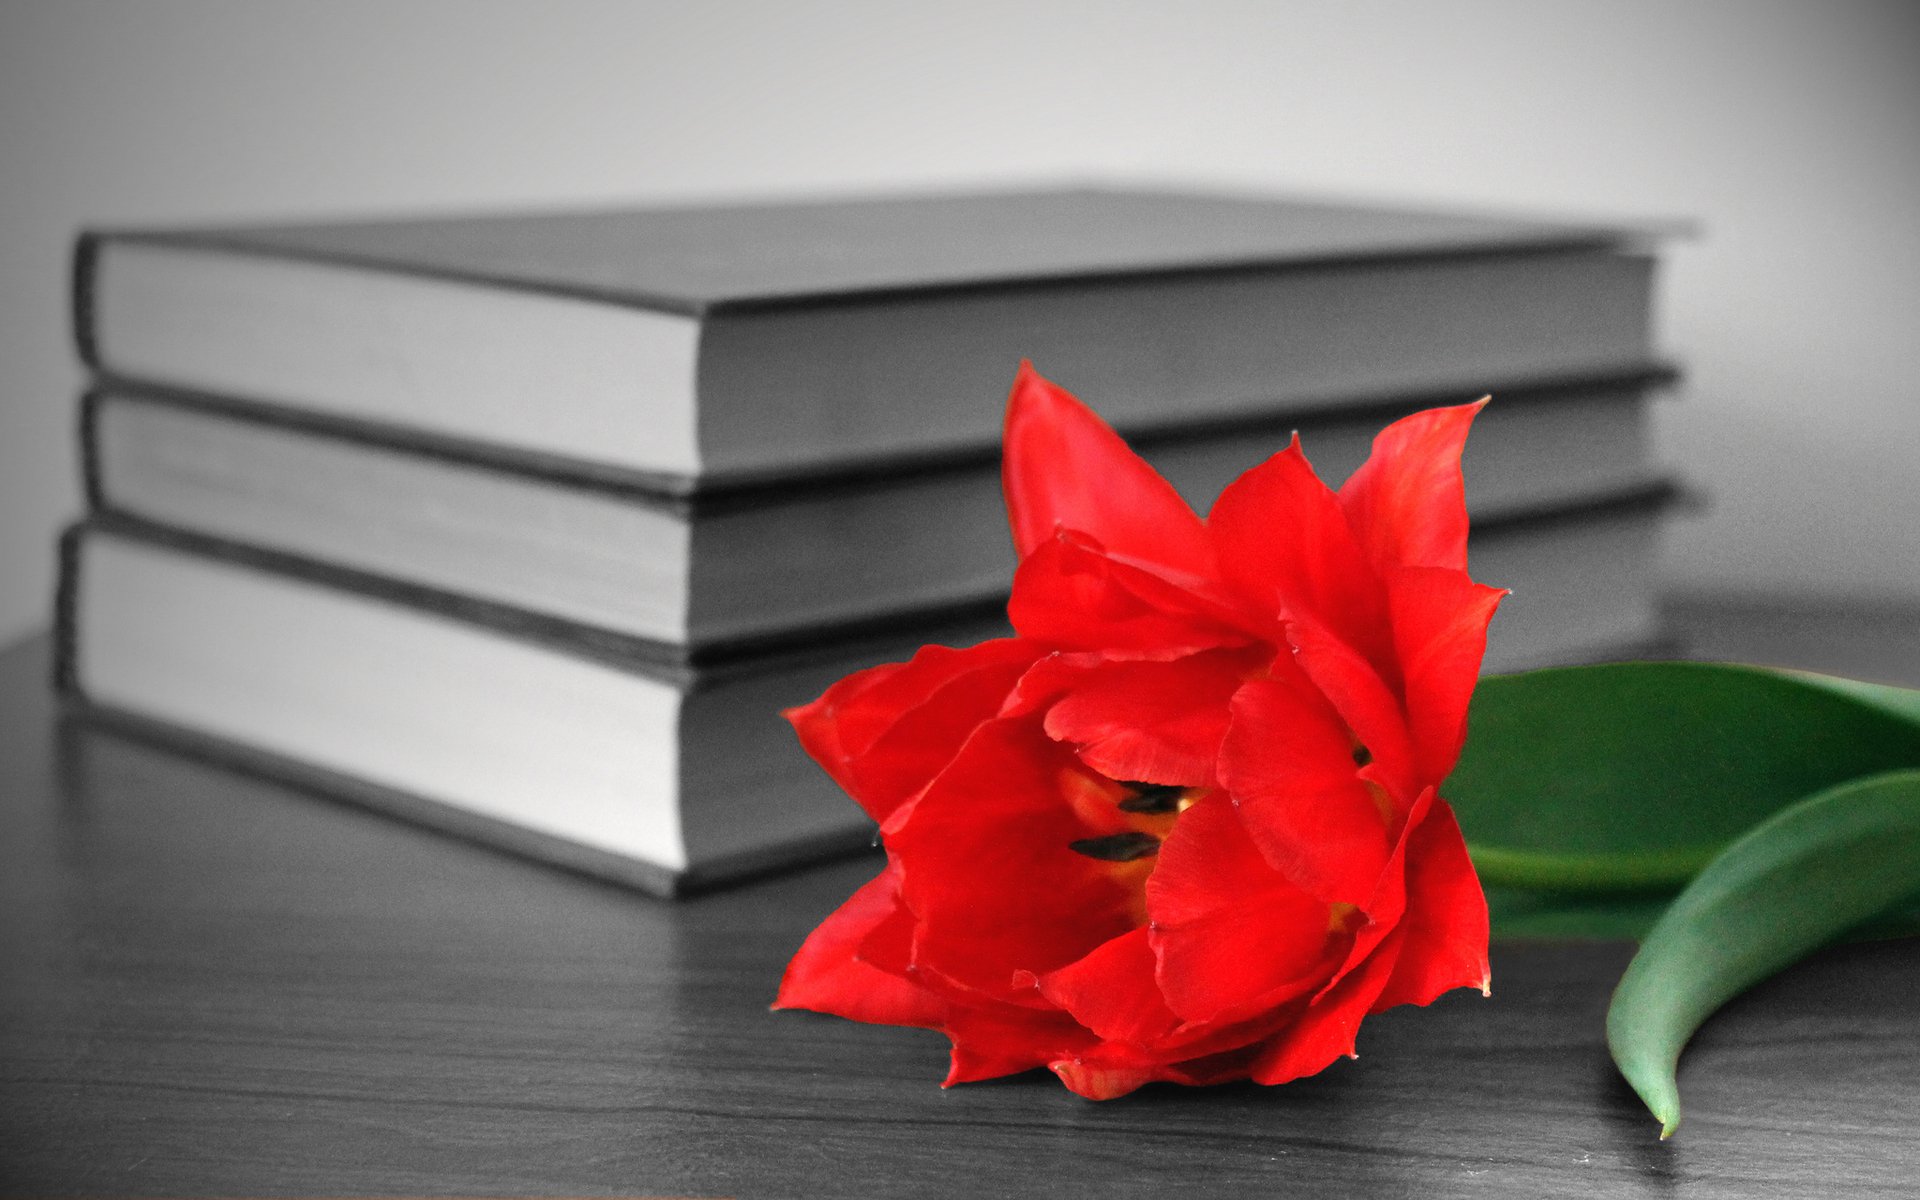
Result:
[
  {"x": 1808, "y": 874},
  {"x": 1901, "y": 701},
  {"x": 1528, "y": 914},
  {"x": 1632, "y": 776},
  {"x": 1525, "y": 914}
]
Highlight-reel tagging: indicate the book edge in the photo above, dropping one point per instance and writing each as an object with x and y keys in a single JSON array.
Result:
[
  {"x": 82, "y": 273},
  {"x": 694, "y": 496},
  {"x": 695, "y": 666},
  {"x": 642, "y": 656},
  {"x": 423, "y": 812},
  {"x": 688, "y": 669},
  {"x": 491, "y": 833},
  {"x": 451, "y": 820},
  {"x": 1524, "y": 238},
  {"x": 65, "y": 668}
]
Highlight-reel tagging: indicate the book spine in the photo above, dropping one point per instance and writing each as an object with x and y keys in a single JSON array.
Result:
[
  {"x": 86, "y": 263},
  {"x": 66, "y": 621},
  {"x": 88, "y": 419}
]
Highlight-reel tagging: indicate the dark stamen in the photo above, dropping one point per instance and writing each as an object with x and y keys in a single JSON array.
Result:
[
  {"x": 1151, "y": 797},
  {"x": 1117, "y": 847},
  {"x": 1361, "y": 755}
]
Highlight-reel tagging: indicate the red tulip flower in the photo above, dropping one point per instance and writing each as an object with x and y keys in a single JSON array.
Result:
[{"x": 1183, "y": 825}]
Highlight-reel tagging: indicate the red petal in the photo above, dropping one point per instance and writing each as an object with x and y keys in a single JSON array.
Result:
[
  {"x": 1440, "y": 630},
  {"x": 1220, "y": 1067},
  {"x": 1047, "y": 680},
  {"x": 883, "y": 733},
  {"x": 1326, "y": 1030},
  {"x": 1109, "y": 1077},
  {"x": 1228, "y": 930},
  {"x": 888, "y": 944},
  {"x": 1427, "y": 936},
  {"x": 1112, "y": 1069},
  {"x": 1112, "y": 991},
  {"x": 987, "y": 869},
  {"x": 1289, "y": 760},
  {"x": 1070, "y": 593},
  {"x": 1156, "y": 722},
  {"x": 1064, "y": 468},
  {"x": 1384, "y": 909},
  {"x": 1284, "y": 545},
  {"x": 1362, "y": 698},
  {"x": 1407, "y": 503},
  {"x": 1444, "y": 931},
  {"x": 829, "y": 975},
  {"x": 990, "y": 1042}
]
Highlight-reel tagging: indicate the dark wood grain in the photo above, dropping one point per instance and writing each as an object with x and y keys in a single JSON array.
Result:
[{"x": 211, "y": 985}]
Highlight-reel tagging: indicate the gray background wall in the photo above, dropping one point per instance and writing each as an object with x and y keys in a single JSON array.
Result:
[{"x": 1790, "y": 130}]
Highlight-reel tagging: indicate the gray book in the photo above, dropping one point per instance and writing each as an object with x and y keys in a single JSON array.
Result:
[
  {"x": 725, "y": 571},
  {"x": 684, "y": 348},
  {"x": 558, "y": 741}
]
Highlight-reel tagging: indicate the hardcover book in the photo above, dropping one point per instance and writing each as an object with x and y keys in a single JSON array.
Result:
[
  {"x": 462, "y": 718},
  {"x": 530, "y": 734},
  {"x": 692, "y": 578},
  {"x": 683, "y": 347}
]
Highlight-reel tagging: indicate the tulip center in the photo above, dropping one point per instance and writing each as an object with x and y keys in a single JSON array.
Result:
[
  {"x": 1117, "y": 847},
  {"x": 1362, "y": 759},
  {"x": 1151, "y": 808}
]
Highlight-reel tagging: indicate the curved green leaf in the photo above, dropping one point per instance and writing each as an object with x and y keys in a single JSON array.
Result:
[
  {"x": 1811, "y": 872},
  {"x": 1901, "y": 701},
  {"x": 1530, "y": 915},
  {"x": 1632, "y": 776}
]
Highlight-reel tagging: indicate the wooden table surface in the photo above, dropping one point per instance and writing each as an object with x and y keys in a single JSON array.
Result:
[{"x": 216, "y": 986}]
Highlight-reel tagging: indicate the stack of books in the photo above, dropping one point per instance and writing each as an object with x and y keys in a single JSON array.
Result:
[{"x": 528, "y": 526}]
